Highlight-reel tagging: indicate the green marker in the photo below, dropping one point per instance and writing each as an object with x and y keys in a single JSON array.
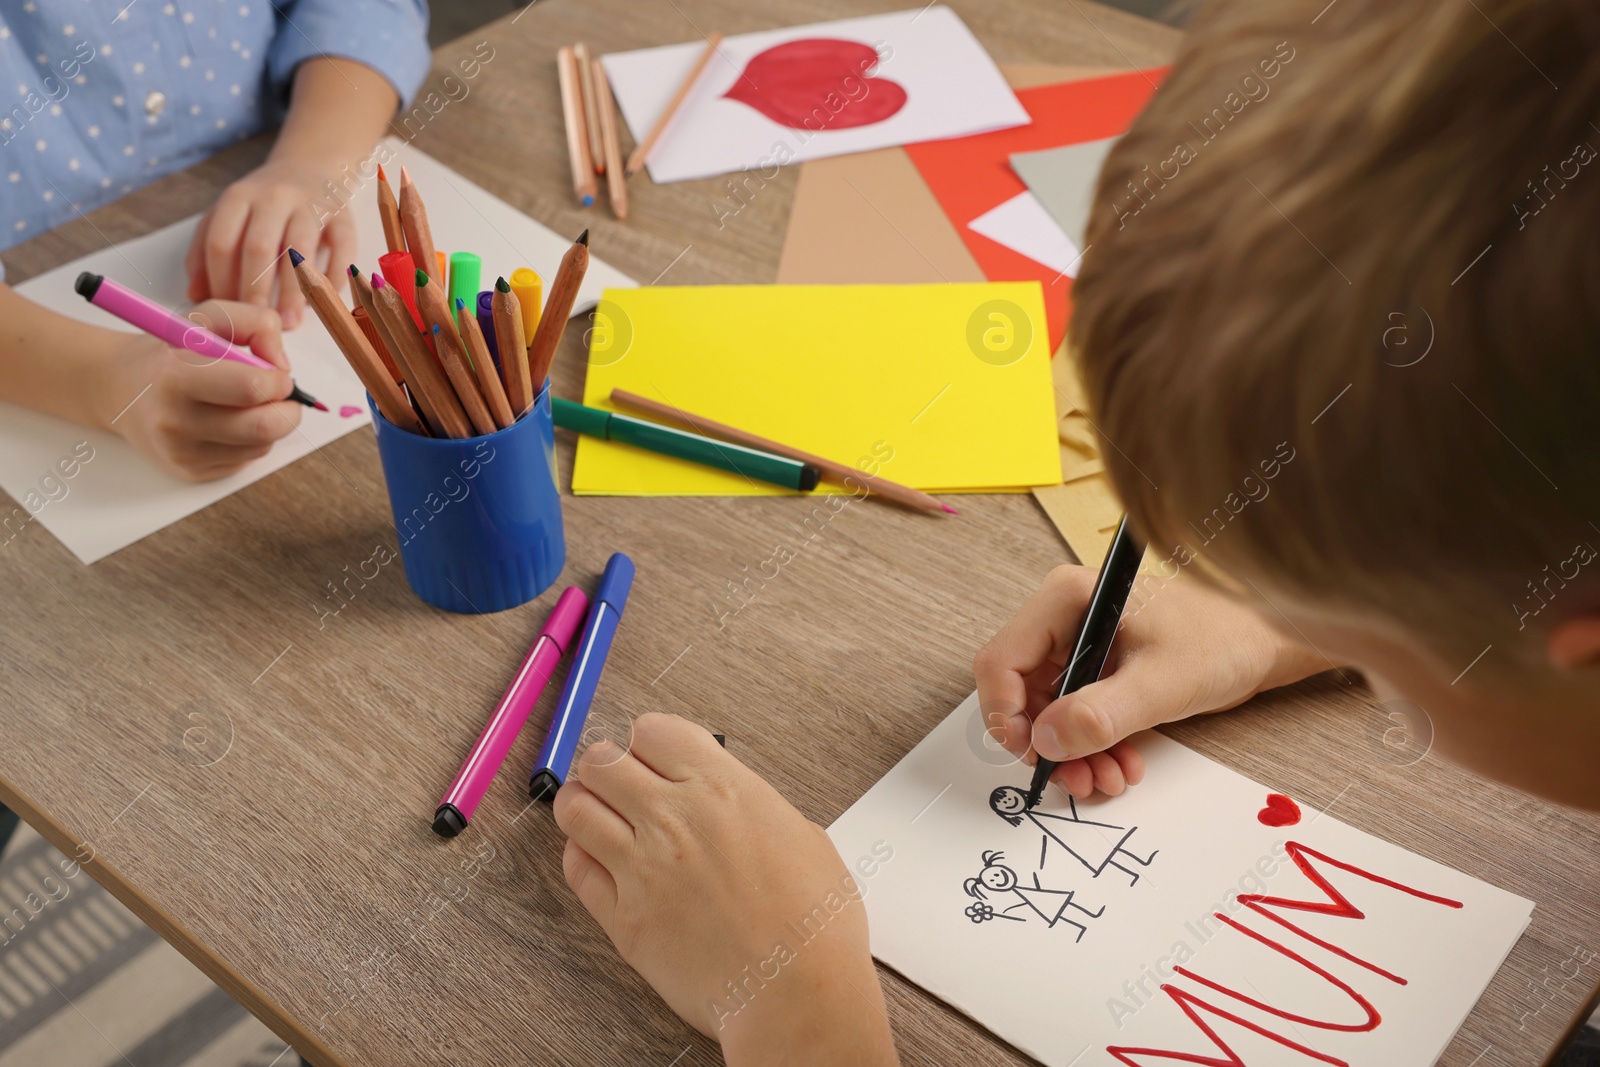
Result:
[
  {"x": 654, "y": 437},
  {"x": 466, "y": 270}
]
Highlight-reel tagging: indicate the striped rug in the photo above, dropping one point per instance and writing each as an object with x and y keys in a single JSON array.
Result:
[{"x": 83, "y": 983}]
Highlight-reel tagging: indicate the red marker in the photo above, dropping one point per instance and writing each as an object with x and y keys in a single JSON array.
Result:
[{"x": 460, "y": 801}]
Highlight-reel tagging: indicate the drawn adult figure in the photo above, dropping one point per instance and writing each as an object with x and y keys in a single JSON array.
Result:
[
  {"x": 1096, "y": 845},
  {"x": 1048, "y": 904}
]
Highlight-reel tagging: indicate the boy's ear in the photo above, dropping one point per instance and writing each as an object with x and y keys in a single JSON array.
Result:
[{"x": 1575, "y": 643}]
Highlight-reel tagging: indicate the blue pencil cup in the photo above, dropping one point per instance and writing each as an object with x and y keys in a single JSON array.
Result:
[{"x": 478, "y": 519}]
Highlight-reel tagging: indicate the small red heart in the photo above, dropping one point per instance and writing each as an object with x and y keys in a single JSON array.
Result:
[
  {"x": 818, "y": 84},
  {"x": 1280, "y": 811}
]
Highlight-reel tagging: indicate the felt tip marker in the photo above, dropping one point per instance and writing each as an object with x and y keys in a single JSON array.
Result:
[
  {"x": 168, "y": 326},
  {"x": 572, "y": 710},
  {"x": 460, "y": 801}
]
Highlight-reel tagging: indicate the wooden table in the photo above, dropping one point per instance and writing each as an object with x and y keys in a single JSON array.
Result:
[{"x": 257, "y": 784}]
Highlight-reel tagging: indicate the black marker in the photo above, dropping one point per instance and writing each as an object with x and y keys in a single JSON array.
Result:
[{"x": 1096, "y": 632}]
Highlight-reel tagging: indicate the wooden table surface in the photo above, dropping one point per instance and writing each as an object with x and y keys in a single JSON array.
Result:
[{"x": 256, "y": 781}]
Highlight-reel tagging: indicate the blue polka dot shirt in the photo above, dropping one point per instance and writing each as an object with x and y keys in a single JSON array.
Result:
[{"x": 99, "y": 97}]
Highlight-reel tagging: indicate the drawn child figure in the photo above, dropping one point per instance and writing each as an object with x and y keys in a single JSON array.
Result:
[
  {"x": 1093, "y": 844},
  {"x": 1049, "y": 904}
]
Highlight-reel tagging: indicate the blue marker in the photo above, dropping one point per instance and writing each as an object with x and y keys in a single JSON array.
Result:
[{"x": 572, "y": 710}]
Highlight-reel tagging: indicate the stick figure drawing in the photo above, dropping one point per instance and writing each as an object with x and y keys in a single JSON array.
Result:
[
  {"x": 1096, "y": 845},
  {"x": 1048, "y": 904}
]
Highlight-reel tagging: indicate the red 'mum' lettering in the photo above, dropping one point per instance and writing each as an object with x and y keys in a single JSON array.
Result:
[{"x": 1336, "y": 904}]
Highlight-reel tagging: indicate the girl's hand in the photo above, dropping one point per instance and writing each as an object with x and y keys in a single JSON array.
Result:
[
  {"x": 1180, "y": 650},
  {"x": 240, "y": 247},
  {"x": 201, "y": 419},
  {"x": 702, "y": 875}
]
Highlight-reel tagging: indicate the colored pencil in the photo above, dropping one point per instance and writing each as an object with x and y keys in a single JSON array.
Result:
[
  {"x": 583, "y": 183},
  {"x": 494, "y": 394},
  {"x": 394, "y": 235},
  {"x": 641, "y": 152},
  {"x": 591, "y": 104},
  {"x": 447, "y": 343},
  {"x": 428, "y": 383},
  {"x": 616, "y": 179},
  {"x": 511, "y": 342},
  {"x": 370, "y": 332},
  {"x": 563, "y": 293},
  {"x": 832, "y": 471},
  {"x": 1096, "y": 632},
  {"x": 362, "y": 359},
  {"x": 414, "y": 220}
]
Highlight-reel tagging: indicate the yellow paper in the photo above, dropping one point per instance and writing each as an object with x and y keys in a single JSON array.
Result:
[{"x": 945, "y": 388}]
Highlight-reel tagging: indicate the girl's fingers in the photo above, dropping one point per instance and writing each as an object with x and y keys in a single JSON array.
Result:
[
  {"x": 340, "y": 240},
  {"x": 247, "y": 427},
  {"x": 194, "y": 260},
  {"x": 597, "y": 829},
  {"x": 221, "y": 245},
  {"x": 301, "y": 236},
  {"x": 627, "y": 786},
  {"x": 260, "y": 251},
  {"x": 230, "y": 384},
  {"x": 593, "y": 884},
  {"x": 674, "y": 748}
]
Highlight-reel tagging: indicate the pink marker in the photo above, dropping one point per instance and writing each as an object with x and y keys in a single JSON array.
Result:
[
  {"x": 167, "y": 325},
  {"x": 472, "y": 781}
]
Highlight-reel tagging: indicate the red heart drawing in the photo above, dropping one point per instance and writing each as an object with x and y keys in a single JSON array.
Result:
[
  {"x": 818, "y": 84},
  {"x": 1280, "y": 811}
]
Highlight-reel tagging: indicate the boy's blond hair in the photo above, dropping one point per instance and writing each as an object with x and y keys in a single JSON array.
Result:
[{"x": 1367, "y": 241}]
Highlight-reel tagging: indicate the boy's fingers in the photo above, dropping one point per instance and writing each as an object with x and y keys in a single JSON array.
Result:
[
  {"x": 627, "y": 786},
  {"x": 673, "y": 747},
  {"x": 597, "y": 829},
  {"x": 1099, "y": 715},
  {"x": 1075, "y": 777},
  {"x": 1107, "y": 774},
  {"x": 1130, "y": 759},
  {"x": 593, "y": 884},
  {"x": 1040, "y": 632}
]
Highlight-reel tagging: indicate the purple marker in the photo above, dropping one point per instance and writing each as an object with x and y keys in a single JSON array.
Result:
[{"x": 486, "y": 324}]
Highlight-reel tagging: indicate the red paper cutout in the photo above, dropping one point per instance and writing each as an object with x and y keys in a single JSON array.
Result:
[
  {"x": 813, "y": 84},
  {"x": 971, "y": 175},
  {"x": 1280, "y": 811}
]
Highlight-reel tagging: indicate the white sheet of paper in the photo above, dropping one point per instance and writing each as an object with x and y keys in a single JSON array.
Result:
[
  {"x": 1191, "y": 834},
  {"x": 1064, "y": 179},
  {"x": 950, "y": 88},
  {"x": 118, "y": 496},
  {"x": 1023, "y": 225}
]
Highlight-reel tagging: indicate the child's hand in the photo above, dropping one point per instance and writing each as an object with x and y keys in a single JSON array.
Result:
[
  {"x": 240, "y": 246},
  {"x": 1183, "y": 651},
  {"x": 199, "y": 418},
  {"x": 700, "y": 873}
]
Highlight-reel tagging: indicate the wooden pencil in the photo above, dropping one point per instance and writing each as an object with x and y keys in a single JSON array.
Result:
[
  {"x": 436, "y": 313},
  {"x": 370, "y": 332},
  {"x": 394, "y": 234},
  {"x": 494, "y": 394},
  {"x": 357, "y": 351},
  {"x": 511, "y": 342},
  {"x": 641, "y": 152},
  {"x": 563, "y": 294},
  {"x": 414, "y": 221},
  {"x": 423, "y": 374},
  {"x": 616, "y": 180},
  {"x": 591, "y": 104},
  {"x": 366, "y": 297},
  {"x": 833, "y": 471},
  {"x": 583, "y": 184}
]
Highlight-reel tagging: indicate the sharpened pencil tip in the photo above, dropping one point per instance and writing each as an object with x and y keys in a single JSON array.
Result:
[
  {"x": 378, "y": 282},
  {"x": 422, "y": 277},
  {"x": 354, "y": 271},
  {"x": 501, "y": 286},
  {"x": 583, "y": 238},
  {"x": 295, "y": 258},
  {"x": 382, "y": 177},
  {"x": 460, "y": 303},
  {"x": 588, "y": 201},
  {"x": 436, "y": 328},
  {"x": 405, "y": 176},
  {"x": 950, "y": 509}
]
